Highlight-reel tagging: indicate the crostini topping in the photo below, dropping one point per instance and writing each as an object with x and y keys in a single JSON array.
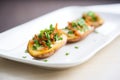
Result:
[
  {"x": 75, "y": 26},
  {"x": 93, "y": 19},
  {"x": 79, "y": 24},
  {"x": 46, "y": 38},
  {"x": 92, "y": 15},
  {"x": 70, "y": 32}
]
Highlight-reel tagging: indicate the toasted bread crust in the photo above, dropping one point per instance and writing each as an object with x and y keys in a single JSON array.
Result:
[{"x": 46, "y": 53}]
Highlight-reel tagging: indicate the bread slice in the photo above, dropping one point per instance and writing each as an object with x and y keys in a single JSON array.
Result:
[
  {"x": 44, "y": 53},
  {"x": 44, "y": 50},
  {"x": 93, "y": 19},
  {"x": 77, "y": 34}
]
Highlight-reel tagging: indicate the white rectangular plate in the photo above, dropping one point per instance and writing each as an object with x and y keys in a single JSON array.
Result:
[{"x": 13, "y": 42}]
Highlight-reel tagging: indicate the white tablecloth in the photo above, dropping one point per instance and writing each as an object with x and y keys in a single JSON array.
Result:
[{"x": 105, "y": 65}]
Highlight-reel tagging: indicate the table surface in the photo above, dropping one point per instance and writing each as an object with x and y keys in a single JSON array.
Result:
[{"x": 105, "y": 65}]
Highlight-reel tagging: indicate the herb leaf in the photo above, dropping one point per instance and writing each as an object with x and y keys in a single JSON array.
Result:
[
  {"x": 26, "y": 51},
  {"x": 41, "y": 34},
  {"x": 92, "y": 15},
  {"x": 95, "y": 31},
  {"x": 36, "y": 43},
  {"x": 24, "y": 57},
  {"x": 47, "y": 35},
  {"x": 45, "y": 60},
  {"x": 34, "y": 47},
  {"x": 76, "y": 47},
  {"x": 51, "y": 27},
  {"x": 66, "y": 27},
  {"x": 48, "y": 43},
  {"x": 60, "y": 38},
  {"x": 70, "y": 32},
  {"x": 66, "y": 53},
  {"x": 56, "y": 37},
  {"x": 74, "y": 24},
  {"x": 81, "y": 22}
]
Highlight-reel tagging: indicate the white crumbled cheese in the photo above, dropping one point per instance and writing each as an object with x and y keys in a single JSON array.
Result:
[
  {"x": 81, "y": 32},
  {"x": 52, "y": 45},
  {"x": 90, "y": 28},
  {"x": 40, "y": 48},
  {"x": 65, "y": 30}
]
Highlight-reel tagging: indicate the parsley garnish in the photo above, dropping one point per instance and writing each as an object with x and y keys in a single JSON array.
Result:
[
  {"x": 47, "y": 35},
  {"x": 60, "y": 38},
  {"x": 76, "y": 47},
  {"x": 24, "y": 57},
  {"x": 45, "y": 60},
  {"x": 74, "y": 24},
  {"x": 95, "y": 31},
  {"x": 48, "y": 43},
  {"x": 51, "y": 27},
  {"x": 66, "y": 27},
  {"x": 92, "y": 15},
  {"x": 66, "y": 53},
  {"x": 56, "y": 37},
  {"x": 41, "y": 34},
  {"x": 70, "y": 32},
  {"x": 34, "y": 47},
  {"x": 81, "y": 22},
  {"x": 36, "y": 43},
  {"x": 26, "y": 51}
]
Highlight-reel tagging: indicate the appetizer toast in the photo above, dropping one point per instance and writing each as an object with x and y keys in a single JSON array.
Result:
[
  {"x": 77, "y": 30},
  {"x": 46, "y": 42},
  {"x": 93, "y": 19}
]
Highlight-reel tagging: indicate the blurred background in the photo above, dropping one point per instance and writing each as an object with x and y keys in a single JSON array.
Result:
[{"x": 16, "y": 12}]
